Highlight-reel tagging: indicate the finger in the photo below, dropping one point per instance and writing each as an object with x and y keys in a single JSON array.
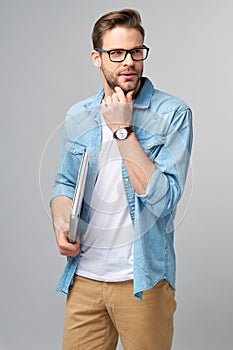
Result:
[
  {"x": 108, "y": 99},
  {"x": 72, "y": 250},
  {"x": 129, "y": 96},
  {"x": 120, "y": 94},
  {"x": 115, "y": 98},
  {"x": 69, "y": 252},
  {"x": 67, "y": 248}
]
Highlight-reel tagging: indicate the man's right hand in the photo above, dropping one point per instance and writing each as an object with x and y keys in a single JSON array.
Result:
[
  {"x": 65, "y": 247},
  {"x": 60, "y": 208}
]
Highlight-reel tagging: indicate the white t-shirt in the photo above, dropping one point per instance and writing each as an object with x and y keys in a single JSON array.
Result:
[{"x": 107, "y": 246}]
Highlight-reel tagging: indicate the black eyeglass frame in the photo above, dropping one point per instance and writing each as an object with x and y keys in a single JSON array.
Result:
[{"x": 126, "y": 53}]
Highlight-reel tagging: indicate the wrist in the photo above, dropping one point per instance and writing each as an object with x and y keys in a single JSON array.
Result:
[
  {"x": 122, "y": 133},
  {"x": 116, "y": 126}
]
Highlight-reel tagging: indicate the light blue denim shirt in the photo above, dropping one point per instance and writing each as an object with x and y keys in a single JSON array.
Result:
[{"x": 163, "y": 126}]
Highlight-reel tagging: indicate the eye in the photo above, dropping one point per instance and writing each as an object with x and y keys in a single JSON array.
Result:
[
  {"x": 117, "y": 53},
  {"x": 137, "y": 51}
]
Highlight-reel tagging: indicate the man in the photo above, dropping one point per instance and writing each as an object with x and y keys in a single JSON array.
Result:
[{"x": 120, "y": 274}]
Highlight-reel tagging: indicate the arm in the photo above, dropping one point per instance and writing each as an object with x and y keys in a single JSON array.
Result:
[
  {"x": 158, "y": 180},
  {"x": 167, "y": 182},
  {"x": 60, "y": 209},
  {"x": 138, "y": 165}
]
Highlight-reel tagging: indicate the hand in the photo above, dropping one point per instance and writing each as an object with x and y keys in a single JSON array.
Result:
[
  {"x": 60, "y": 209},
  {"x": 117, "y": 109},
  {"x": 65, "y": 247}
]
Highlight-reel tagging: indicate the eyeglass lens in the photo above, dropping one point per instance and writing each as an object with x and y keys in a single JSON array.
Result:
[{"x": 137, "y": 54}]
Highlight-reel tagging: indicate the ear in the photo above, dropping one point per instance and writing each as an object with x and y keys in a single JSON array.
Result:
[{"x": 96, "y": 58}]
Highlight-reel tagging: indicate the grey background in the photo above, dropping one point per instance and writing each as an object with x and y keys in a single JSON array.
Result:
[{"x": 45, "y": 68}]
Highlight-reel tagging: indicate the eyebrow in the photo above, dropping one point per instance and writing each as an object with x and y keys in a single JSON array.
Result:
[{"x": 120, "y": 48}]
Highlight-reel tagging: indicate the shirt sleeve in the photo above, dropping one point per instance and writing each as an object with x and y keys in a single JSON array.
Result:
[
  {"x": 167, "y": 182},
  {"x": 68, "y": 163}
]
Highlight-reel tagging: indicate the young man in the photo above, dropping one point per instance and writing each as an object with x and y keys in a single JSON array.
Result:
[{"x": 120, "y": 274}]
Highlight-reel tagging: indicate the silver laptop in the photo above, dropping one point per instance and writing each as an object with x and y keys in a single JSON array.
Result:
[{"x": 78, "y": 198}]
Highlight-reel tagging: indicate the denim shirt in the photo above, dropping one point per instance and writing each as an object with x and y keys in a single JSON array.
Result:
[{"x": 163, "y": 126}]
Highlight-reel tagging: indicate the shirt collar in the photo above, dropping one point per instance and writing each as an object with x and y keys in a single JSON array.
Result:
[{"x": 144, "y": 96}]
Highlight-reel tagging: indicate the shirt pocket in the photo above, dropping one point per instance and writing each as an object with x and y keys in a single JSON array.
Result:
[
  {"x": 152, "y": 144},
  {"x": 72, "y": 160}
]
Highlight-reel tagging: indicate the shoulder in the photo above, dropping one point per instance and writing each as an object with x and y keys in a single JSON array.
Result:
[
  {"x": 88, "y": 103},
  {"x": 164, "y": 102},
  {"x": 159, "y": 101},
  {"x": 169, "y": 109},
  {"x": 80, "y": 106}
]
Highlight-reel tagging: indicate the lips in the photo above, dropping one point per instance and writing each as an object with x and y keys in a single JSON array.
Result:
[{"x": 128, "y": 75}]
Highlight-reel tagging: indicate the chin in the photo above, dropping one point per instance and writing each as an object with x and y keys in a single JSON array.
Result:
[{"x": 128, "y": 87}]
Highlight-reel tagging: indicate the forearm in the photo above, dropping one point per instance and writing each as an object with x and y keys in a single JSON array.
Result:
[
  {"x": 60, "y": 209},
  {"x": 138, "y": 165}
]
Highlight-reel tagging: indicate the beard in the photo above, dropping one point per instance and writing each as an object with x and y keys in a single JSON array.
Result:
[{"x": 113, "y": 79}]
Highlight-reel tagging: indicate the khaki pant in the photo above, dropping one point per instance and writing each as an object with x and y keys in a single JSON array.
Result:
[{"x": 97, "y": 312}]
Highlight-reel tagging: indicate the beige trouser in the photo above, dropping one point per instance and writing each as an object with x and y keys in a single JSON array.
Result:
[{"x": 97, "y": 312}]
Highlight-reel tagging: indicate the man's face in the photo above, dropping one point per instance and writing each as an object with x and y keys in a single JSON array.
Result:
[{"x": 126, "y": 74}]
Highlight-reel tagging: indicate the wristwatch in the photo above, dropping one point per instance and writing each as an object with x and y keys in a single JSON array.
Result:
[{"x": 122, "y": 133}]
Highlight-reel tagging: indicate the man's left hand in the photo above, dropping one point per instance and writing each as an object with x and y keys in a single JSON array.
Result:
[{"x": 117, "y": 109}]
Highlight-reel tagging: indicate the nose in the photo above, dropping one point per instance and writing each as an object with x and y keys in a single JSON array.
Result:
[{"x": 128, "y": 59}]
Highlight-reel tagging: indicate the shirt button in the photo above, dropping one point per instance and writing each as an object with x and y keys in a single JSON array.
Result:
[
  {"x": 132, "y": 208},
  {"x": 126, "y": 180},
  {"x": 149, "y": 145},
  {"x": 75, "y": 151}
]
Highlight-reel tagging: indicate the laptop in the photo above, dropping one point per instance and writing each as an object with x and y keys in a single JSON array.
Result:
[{"x": 78, "y": 198}]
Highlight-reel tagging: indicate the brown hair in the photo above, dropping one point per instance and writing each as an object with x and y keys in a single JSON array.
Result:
[{"x": 125, "y": 18}]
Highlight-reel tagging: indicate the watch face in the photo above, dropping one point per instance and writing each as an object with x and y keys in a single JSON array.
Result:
[{"x": 121, "y": 133}]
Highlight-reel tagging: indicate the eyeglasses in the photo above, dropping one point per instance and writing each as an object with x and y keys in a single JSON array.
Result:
[{"x": 119, "y": 55}]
